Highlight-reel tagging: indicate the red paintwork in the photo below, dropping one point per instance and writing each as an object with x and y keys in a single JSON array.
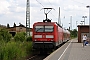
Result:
[{"x": 42, "y": 33}]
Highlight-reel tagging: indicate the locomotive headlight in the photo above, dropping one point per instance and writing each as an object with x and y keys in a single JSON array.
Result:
[
  {"x": 35, "y": 40},
  {"x": 51, "y": 40},
  {"x": 37, "y": 36},
  {"x": 49, "y": 36}
]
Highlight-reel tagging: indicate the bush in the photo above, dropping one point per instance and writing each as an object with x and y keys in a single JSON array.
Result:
[
  {"x": 73, "y": 33},
  {"x": 20, "y": 36},
  {"x": 5, "y": 35},
  {"x": 12, "y": 51},
  {"x": 29, "y": 48},
  {"x": 29, "y": 38}
]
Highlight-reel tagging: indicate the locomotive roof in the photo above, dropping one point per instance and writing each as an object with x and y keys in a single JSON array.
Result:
[
  {"x": 66, "y": 31},
  {"x": 50, "y": 22}
]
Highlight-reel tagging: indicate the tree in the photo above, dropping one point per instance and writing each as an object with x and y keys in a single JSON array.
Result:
[
  {"x": 14, "y": 25},
  {"x": 20, "y": 36},
  {"x": 8, "y": 25},
  {"x": 73, "y": 33}
]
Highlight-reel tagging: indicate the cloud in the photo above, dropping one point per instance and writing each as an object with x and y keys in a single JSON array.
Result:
[
  {"x": 11, "y": 11},
  {"x": 15, "y": 11},
  {"x": 4, "y": 7},
  {"x": 20, "y": 9}
]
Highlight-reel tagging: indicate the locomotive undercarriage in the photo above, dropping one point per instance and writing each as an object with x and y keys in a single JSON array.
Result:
[{"x": 43, "y": 45}]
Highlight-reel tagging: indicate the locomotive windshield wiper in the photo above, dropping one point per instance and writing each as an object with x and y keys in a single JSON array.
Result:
[{"x": 39, "y": 29}]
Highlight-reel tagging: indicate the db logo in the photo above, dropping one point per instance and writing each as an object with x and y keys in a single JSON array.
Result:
[{"x": 43, "y": 36}]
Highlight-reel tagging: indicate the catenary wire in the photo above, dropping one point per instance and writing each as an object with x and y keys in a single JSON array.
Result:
[
  {"x": 43, "y": 6},
  {"x": 39, "y": 3}
]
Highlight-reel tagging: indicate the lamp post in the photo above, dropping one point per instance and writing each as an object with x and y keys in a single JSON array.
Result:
[
  {"x": 89, "y": 20},
  {"x": 71, "y": 22},
  {"x": 82, "y": 22},
  {"x": 69, "y": 26},
  {"x": 76, "y": 24},
  {"x": 76, "y": 27},
  {"x": 84, "y": 18}
]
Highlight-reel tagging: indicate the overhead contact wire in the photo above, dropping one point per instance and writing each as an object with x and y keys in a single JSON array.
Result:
[{"x": 39, "y": 3}]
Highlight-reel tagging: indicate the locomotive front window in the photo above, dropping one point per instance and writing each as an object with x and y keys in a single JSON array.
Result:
[
  {"x": 39, "y": 28},
  {"x": 44, "y": 28},
  {"x": 48, "y": 28}
]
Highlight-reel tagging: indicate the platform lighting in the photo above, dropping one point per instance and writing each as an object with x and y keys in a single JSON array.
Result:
[
  {"x": 76, "y": 24},
  {"x": 82, "y": 22},
  {"x": 84, "y": 18}
]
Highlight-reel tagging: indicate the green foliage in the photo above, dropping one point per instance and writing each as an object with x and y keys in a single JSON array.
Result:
[
  {"x": 29, "y": 38},
  {"x": 14, "y": 50},
  {"x": 29, "y": 48},
  {"x": 5, "y": 35},
  {"x": 20, "y": 36},
  {"x": 73, "y": 33}
]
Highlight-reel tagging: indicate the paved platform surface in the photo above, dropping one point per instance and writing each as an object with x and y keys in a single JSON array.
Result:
[{"x": 72, "y": 50}]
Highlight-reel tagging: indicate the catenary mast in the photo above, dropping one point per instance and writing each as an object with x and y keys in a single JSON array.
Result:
[
  {"x": 28, "y": 18},
  {"x": 59, "y": 20}
]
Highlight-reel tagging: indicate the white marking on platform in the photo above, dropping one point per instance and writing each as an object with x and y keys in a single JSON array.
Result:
[{"x": 64, "y": 51}]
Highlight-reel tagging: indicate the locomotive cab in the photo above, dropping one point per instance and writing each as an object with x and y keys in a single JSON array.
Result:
[{"x": 43, "y": 35}]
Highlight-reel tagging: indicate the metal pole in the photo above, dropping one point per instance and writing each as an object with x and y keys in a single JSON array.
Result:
[
  {"x": 69, "y": 26},
  {"x": 84, "y": 20},
  {"x": 76, "y": 28},
  {"x": 76, "y": 25},
  {"x": 28, "y": 18},
  {"x": 71, "y": 22},
  {"x": 89, "y": 20},
  {"x": 59, "y": 21}
]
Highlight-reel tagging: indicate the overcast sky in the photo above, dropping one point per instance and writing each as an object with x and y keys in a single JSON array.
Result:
[{"x": 14, "y": 11}]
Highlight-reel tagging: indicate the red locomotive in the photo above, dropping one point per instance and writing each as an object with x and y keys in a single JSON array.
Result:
[{"x": 48, "y": 35}]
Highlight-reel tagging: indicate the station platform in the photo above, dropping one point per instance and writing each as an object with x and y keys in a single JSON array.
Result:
[{"x": 72, "y": 50}]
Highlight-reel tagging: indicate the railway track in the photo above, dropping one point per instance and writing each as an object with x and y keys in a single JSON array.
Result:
[{"x": 38, "y": 56}]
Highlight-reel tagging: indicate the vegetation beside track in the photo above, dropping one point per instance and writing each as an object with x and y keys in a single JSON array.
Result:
[
  {"x": 17, "y": 47},
  {"x": 73, "y": 33},
  {"x": 14, "y": 48}
]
